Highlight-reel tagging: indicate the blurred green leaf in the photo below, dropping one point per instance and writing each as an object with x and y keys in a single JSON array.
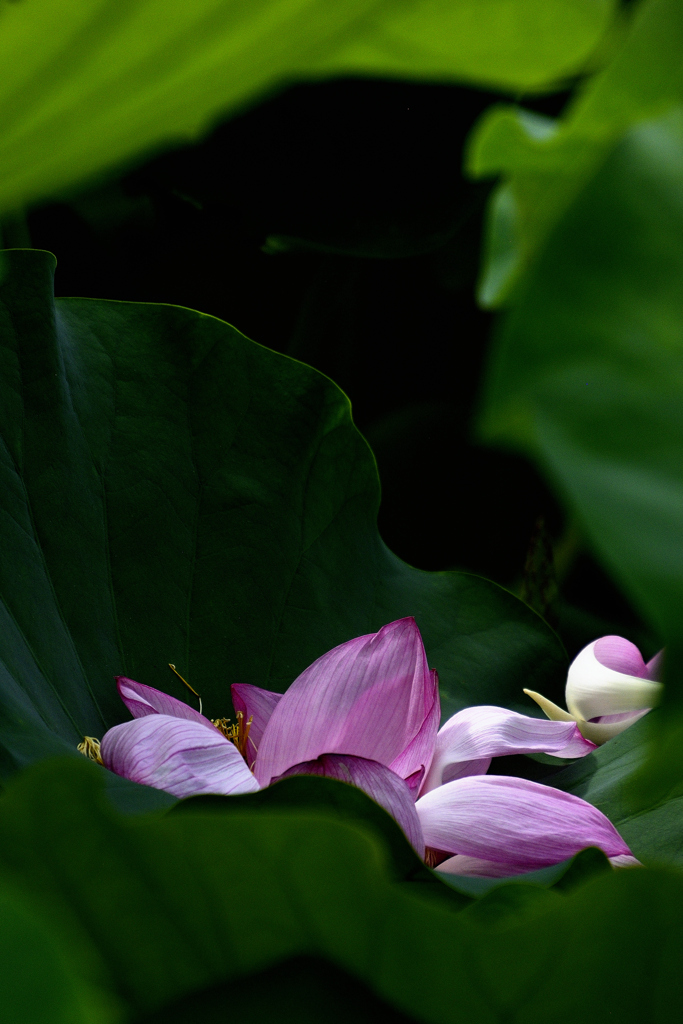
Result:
[
  {"x": 89, "y": 86},
  {"x": 37, "y": 982},
  {"x": 588, "y": 375},
  {"x": 174, "y": 905},
  {"x": 545, "y": 163},
  {"x": 303, "y": 990},
  {"x": 182, "y": 909},
  {"x": 588, "y": 370},
  {"x": 173, "y": 492}
]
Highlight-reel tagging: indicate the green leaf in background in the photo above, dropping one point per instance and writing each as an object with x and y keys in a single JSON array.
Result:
[
  {"x": 545, "y": 163},
  {"x": 91, "y": 85},
  {"x": 588, "y": 370},
  {"x": 173, "y": 492},
  {"x": 166, "y": 911},
  {"x": 588, "y": 375}
]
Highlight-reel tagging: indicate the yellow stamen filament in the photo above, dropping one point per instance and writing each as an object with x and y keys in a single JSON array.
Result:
[
  {"x": 238, "y": 733},
  {"x": 191, "y": 688},
  {"x": 91, "y": 748}
]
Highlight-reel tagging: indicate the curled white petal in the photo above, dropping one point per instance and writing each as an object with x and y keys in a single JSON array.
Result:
[{"x": 594, "y": 689}]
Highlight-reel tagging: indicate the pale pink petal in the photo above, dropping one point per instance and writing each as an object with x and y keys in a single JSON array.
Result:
[
  {"x": 257, "y": 704},
  {"x": 414, "y": 781},
  {"x": 512, "y": 821},
  {"x": 655, "y": 665},
  {"x": 177, "y": 755},
  {"x": 460, "y": 769},
  {"x": 474, "y": 867},
  {"x": 620, "y": 654},
  {"x": 595, "y": 688},
  {"x": 368, "y": 697},
  {"x": 486, "y": 731},
  {"x": 144, "y": 700},
  {"x": 417, "y": 756},
  {"x": 625, "y": 860},
  {"x": 378, "y": 781},
  {"x": 599, "y": 730}
]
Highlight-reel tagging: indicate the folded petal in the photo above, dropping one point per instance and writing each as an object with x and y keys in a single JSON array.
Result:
[
  {"x": 368, "y": 697},
  {"x": 514, "y": 822},
  {"x": 258, "y": 705},
  {"x": 144, "y": 700},
  {"x": 462, "y": 865},
  {"x": 484, "y": 732},
  {"x": 378, "y": 781},
  {"x": 655, "y": 665},
  {"x": 474, "y": 866},
  {"x": 180, "y": 756},
  {"x": 417, "y": 756},
  {"x": 597, "y": 684}
]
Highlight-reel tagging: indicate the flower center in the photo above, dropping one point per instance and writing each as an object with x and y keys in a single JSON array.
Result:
[{"x": 237, "y": 733}]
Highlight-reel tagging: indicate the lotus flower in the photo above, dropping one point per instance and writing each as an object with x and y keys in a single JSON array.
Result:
[
  {"x": 368, "y": 713},
  {"x": 609, "y": 687}
]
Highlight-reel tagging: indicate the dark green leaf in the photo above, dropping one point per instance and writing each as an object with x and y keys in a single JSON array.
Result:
[
  {"x": 167, "y": 909},
  {"x": 646, "y": 806},
  {"x": 173, "y": 492},
  {"x": 37, "y": 982}
]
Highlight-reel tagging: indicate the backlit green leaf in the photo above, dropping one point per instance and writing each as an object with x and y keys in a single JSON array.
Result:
[
  {"x": 90, "y": 85},
  {"x": 545, "y": 163}
]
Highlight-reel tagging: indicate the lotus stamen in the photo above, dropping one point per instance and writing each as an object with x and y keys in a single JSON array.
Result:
[{"x": 91, "y": 748}]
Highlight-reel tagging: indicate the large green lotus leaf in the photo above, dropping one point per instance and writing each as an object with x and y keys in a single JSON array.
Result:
[
  {"x": 545, "y": 163},
  {"x": 191, "y": 902},
  {"x": 173, "y": 492},
  {"x": 92, "y": 84}
]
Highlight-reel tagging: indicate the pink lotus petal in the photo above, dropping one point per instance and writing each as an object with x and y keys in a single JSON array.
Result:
[
  {"x": 144, "y": 700},
  {"x": 417, "y": 756},
  {"x": 414, "y": 781},
  {"x": 180, "y": 756},
  {"x": 378, "y": 781},
  {"x": 620, "y": 655},
  {"x": 461, "y": 769},
  {"x": 479, "y": 733},
  {"x": 471, "y": 866},
  {"x": 595, "y": 689},
  {"x": 254, "y": 703},
  {"x": 625, "y": 860},
  {"x": 515, "y": 822},
  {"x": 476, "y": 868},
  {"x": 368, "y": 697}
]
